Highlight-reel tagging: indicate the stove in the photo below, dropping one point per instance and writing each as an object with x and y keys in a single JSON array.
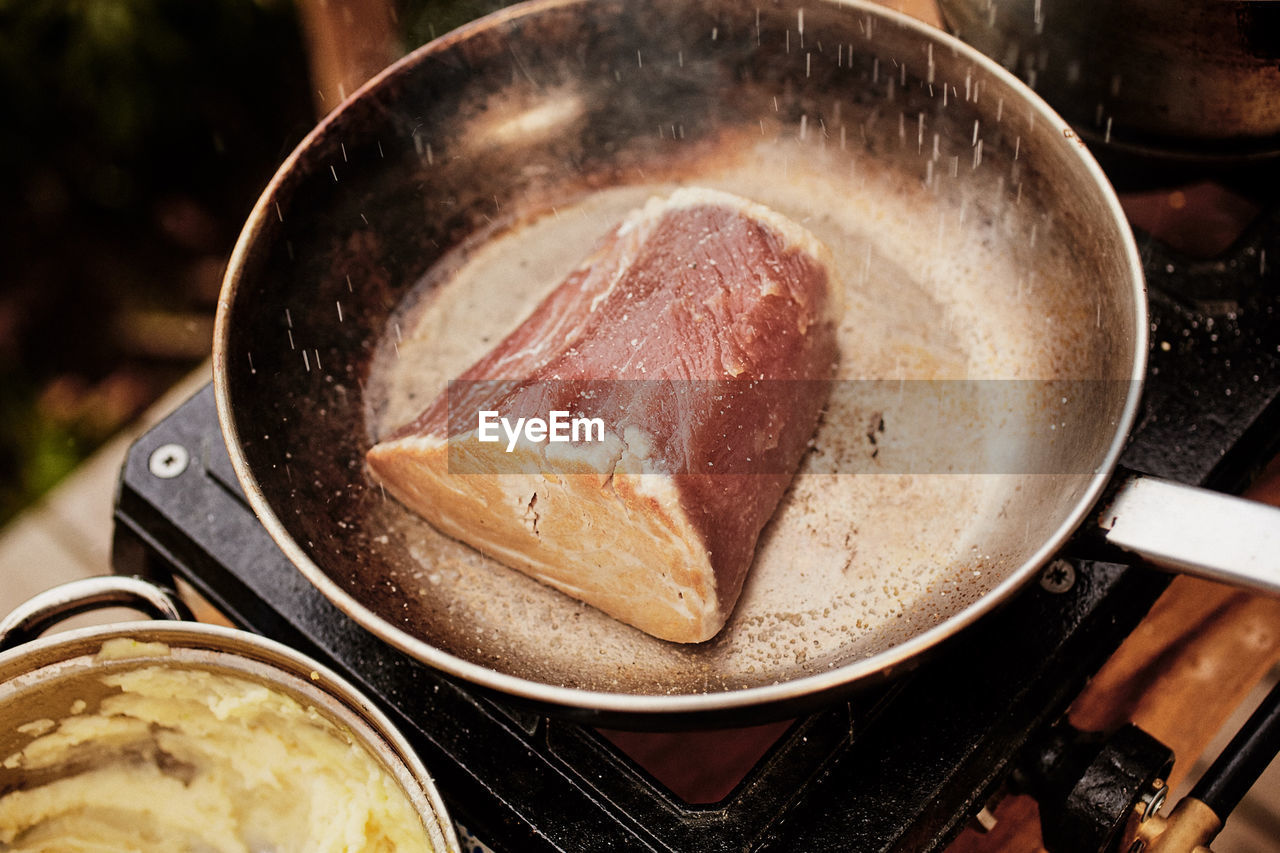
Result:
[{"x": 900, "y": 766}]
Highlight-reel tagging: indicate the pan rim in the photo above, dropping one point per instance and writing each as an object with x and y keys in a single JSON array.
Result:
[{"x": 655, "y": 705}]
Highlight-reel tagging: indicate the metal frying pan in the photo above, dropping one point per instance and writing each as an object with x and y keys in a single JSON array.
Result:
[{"x": 993, "y": 350}]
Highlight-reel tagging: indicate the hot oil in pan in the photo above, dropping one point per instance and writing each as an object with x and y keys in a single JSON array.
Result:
[{"x": 850, "y": 565}]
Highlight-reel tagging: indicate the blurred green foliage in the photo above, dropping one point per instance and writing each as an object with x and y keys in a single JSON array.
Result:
[
  {"x": 121, "y": 98},
  {"x": 134, "y": 137},
  {"x": 41, "y": 451}
]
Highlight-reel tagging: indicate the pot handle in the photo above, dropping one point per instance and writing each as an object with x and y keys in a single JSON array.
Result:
[
  {"x": 44, "y": 610},
  {"x": 1197, "y": 532}
]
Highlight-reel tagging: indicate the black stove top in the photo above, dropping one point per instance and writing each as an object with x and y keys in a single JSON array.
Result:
[{"x": 901, "y": 766}]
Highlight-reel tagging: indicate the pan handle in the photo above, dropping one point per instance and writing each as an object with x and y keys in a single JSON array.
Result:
[
  {"x": 46, "y": 609},
  {"x": 1197, "y": 532}
]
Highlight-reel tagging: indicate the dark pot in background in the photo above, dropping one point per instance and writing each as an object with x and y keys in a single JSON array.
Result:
[{"x": 1186, "y": 80}]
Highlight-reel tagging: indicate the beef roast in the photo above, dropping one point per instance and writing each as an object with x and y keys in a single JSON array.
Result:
[{"x": 695, "y": 347}]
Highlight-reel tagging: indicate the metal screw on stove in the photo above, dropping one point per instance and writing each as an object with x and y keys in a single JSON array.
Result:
[
  {"x": 1147, "y": 808},
  {"x": 168, "y": 461},
  {"x": 1154, "y": 799},
  {"x": 1058, "y": 577}
]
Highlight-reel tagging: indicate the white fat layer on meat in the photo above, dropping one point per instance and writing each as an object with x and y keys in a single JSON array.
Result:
[{"x": 543, "y": 522}]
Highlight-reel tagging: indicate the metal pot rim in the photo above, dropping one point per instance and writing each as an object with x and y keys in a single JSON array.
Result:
[{"x": 69, "y": 653}]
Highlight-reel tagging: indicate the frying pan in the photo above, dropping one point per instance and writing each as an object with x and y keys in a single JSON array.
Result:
[{"x": 992, "y": 352}]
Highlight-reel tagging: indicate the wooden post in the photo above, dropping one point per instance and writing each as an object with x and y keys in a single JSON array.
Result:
[{"x": 348, "y": 42}]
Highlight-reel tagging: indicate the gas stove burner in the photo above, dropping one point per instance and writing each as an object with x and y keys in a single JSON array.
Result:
[{"x": 901, "y": 766}]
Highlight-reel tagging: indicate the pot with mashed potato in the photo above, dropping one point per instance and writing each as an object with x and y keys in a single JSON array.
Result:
[{"x": 178, "y": 736}]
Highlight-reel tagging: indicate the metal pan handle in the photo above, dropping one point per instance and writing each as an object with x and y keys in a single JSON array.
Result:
[
  {"x": 46, "y": 609},
  {"x": 1197, "y": 532}
]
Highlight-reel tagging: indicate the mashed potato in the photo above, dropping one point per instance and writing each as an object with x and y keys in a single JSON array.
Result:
[{"x": 192, "y": 760}]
